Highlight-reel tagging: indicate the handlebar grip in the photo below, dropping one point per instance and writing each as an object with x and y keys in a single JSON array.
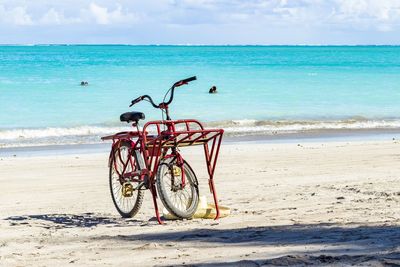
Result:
[
  {"x": 185, "y": 81},
  {"x": 135, "y": 101},
  {"x": 189, "y": 79}
]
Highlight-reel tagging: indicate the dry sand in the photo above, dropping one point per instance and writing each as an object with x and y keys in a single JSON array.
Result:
[{"x": 333, "y": 204}]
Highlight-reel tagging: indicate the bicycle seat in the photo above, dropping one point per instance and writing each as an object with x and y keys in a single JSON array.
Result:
[{"x": 132, "y": 116}]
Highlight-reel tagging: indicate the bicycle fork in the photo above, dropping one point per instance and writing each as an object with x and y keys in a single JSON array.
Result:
[{"x": 178, "y": 171}]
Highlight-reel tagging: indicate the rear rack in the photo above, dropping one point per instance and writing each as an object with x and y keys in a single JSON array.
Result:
[{"x": 120, "y": 135}]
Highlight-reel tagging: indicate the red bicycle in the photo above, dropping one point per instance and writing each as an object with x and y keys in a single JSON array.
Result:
[{"x": 150, "y": 159}]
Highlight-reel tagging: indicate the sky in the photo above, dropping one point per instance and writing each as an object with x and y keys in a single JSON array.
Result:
[{"x": 264, "y": 22}]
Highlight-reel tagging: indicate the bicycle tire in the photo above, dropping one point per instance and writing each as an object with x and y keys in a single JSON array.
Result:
[
  {"x": 164, "y": 191},
  {"x": 132, "y": 206}
]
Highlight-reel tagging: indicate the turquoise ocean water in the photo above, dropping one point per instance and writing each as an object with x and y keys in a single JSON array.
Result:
[{"x": 262, "y": 89}]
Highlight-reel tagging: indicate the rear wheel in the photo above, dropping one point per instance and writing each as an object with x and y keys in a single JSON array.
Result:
[
  {"x": 125, "y": 195},
  {"x": 181, "y": 201}
]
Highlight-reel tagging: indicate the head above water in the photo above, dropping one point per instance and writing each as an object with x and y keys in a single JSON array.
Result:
[{"x": 213, "y": 90}]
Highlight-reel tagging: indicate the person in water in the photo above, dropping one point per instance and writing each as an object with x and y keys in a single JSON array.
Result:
[
  {"x": 213, "y": 90},
  {"x": 84, "y": 83}
]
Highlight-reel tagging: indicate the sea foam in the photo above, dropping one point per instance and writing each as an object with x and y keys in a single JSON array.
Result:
[{"x": 92, "y": 134}]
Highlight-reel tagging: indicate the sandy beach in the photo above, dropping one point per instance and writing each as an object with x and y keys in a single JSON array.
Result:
[{"x": 325, "y": 203}]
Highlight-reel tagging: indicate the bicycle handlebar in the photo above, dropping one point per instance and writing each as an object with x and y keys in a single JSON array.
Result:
[
  {"x": 184, "y": 81},
  {"x": 163, "y": 104},
  {"x": 140, "y": 98}
]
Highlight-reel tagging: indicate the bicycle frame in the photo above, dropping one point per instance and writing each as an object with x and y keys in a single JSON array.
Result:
[{"x": 154, "y": 148}]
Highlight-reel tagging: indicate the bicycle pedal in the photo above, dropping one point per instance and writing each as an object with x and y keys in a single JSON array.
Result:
[
  {"x": 127, "y": 190},
  {"x": 177, "y": 171}
]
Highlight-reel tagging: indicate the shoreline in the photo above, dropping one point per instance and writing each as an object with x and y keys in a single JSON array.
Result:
[{"x": 342, "y": 135}]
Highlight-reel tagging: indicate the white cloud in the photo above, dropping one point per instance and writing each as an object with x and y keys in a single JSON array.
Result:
[
  {"x": 358, "y": 14},
  {"x": 15, "y": 16},
  {"x": 89, "y": 14},
  {"x": 100, "y": 13},
  {"x": 363, "y": 15},
  {"x": 104, "y": 16},
  {"x": 384, "y": 10},
  {"x": 54, "y": 17},
  {"x": 243, "y": 20},
  {"x": 201, "y": 4},
  {"x": 383, "y": 15}
]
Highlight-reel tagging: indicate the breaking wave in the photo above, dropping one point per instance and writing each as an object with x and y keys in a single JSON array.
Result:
[
  {"x": 244, "y": 127},
  {"x": 92, "y": 134}
]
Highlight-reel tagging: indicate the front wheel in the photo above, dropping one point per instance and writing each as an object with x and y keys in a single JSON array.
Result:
[{"x": 180, "y": 199}]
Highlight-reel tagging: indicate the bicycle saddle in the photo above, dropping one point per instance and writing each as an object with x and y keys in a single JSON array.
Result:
[{"x": 132, "y": 116}]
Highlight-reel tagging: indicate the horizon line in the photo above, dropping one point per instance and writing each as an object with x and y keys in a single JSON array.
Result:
[{"x": 216, "y": 45}]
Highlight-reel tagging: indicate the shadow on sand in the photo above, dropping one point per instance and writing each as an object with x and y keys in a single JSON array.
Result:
[
  {"x": 339, "y": 244},
  {"x": 384, "y": 235},
  {"x": 383, "y": 259},
  {"x": 72, "y": 220}
]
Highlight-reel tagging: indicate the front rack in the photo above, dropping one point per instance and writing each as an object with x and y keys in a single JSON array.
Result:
[
  {"x": 193, "y": 133},
  {"x": 183, "y": 133}
]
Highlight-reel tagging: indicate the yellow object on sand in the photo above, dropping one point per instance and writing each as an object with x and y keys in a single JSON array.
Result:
[{"x": 204, "y": 211}]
